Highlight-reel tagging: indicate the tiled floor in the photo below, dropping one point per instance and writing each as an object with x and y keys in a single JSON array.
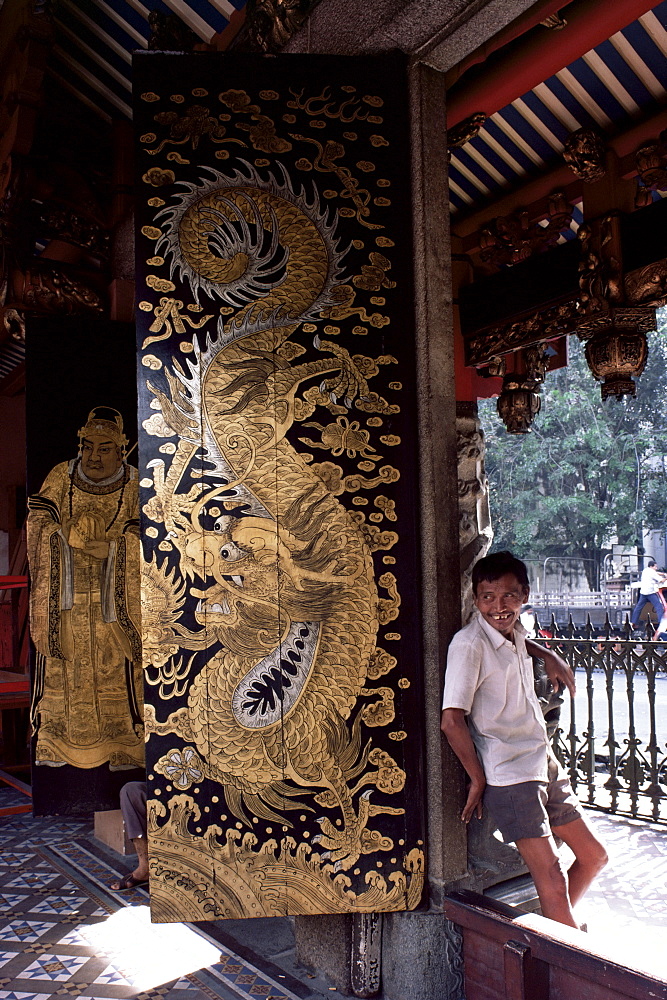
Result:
[{"x": 63, "y": 934}]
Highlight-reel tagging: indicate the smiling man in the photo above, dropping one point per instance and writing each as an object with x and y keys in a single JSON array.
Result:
[{"x": 493, "y": 721}]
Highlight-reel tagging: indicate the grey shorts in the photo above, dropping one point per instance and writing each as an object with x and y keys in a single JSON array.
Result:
[{"x": 532, "y": 808}]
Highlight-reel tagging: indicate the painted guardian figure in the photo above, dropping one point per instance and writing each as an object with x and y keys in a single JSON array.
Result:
[{"x": 83, "y": 549}]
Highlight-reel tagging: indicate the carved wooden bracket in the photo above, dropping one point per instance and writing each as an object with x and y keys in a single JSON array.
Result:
[
  {"x": 584, "y": 153},
  {"x": 270, "y": 24},
  {"x": 513, "y": 238},
  {"x": 51, "y": 290},
  {"x": 466, "y": 130},
  {"x": 484, "y": 347},
  {"x": 651, "y": 160}
]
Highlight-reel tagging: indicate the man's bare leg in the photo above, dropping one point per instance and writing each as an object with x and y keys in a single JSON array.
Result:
[
  {"x": 590, "y": 856},
  {"x": 140, "y": 874},
  {"x": 551, "y": 882},
  {"x": 141, "y": 847}
]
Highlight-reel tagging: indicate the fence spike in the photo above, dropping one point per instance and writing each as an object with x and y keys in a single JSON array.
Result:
[{"x": 588, "y": 627}]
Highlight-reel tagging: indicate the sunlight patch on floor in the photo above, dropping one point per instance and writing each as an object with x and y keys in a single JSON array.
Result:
[
  {"x": 625, "y": 907},
  {"x": 148, "y": 955}
]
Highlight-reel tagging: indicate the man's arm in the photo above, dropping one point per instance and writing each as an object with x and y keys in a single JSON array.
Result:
[
  {"x": 558, "y": 670},
  {"x": 453, "y": 725}
]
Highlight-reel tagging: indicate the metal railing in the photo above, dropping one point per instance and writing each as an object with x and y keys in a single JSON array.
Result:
[
  {"x": 614, "y": 604},
  {"x": 612, "y": 736}
]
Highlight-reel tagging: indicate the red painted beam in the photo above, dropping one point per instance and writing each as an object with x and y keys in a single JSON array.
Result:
[
  {"x": 532, "y": 61},
  {"x": 9, "y": 582}
]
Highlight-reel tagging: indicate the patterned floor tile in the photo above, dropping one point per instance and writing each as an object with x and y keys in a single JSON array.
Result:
[
  {"x": 185, "y": 984},
  {"x": 75, "y": 936},
  {"x": 55, "y": 968},
  {"x": 9, "y": 900},
  {"x": 19, "y": 995},
  {"x": 24, "y": 930},
  {"x": 112, "y": 976},
  {"x": 59, "y": 904},
  {"x": 6, "y": 956},
  {"x": 30, "y": 880},
  {"x": 11, "y": 859}
]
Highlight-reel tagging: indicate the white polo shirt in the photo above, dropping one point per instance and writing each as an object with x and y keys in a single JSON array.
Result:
[
  {"x": 492, "y": 681},
  {"x": 651, "y": 581}
]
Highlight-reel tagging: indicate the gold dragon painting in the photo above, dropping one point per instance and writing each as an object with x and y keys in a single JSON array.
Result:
[{"x": 267, "y": 600}]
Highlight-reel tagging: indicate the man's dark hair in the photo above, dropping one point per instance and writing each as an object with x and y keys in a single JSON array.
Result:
[
  {"x": 651, "y": 562},
  {"x": 492, "y": 567}
]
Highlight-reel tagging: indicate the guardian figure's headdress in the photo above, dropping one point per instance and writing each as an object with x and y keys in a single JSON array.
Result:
[{"x": 105, "y": 420}]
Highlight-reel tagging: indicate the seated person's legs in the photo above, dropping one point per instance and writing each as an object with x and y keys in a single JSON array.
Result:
[{"x": 133, "y": 807}]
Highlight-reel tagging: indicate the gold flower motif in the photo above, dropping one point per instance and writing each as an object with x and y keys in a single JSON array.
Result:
[{"x": 183, "y": 768}]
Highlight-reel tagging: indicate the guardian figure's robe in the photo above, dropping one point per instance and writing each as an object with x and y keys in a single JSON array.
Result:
[{"x": 83, "y": 549}]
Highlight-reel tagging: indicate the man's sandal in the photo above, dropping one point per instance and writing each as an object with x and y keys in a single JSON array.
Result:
[{"x": 126, "y": 882}]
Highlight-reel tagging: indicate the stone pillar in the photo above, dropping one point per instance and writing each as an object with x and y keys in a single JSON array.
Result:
[
  {"x": 489, "y": 860},
  {"x": 475, "y": 531}
]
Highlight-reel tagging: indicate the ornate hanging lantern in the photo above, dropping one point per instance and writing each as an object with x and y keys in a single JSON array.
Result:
[
  {"x": 519, "y": 402},
  {"x": 518, "y": 408},
  {"x": 614, "y": 332},
  {"x": 615, "y": 354}
]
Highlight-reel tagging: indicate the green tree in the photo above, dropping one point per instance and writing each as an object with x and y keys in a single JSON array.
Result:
[{"x": 589, "y": 471}]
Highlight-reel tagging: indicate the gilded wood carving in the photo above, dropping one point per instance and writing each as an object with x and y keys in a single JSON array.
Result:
[
  {"x": 280, "y": 621},
  {"x": 83, "y": 549},
  {"x": 84, "y": 557}
]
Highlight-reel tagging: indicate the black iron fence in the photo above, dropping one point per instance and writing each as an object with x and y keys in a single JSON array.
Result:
[{"x": 612, "y": 736}]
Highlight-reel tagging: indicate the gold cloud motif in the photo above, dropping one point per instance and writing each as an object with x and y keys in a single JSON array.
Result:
[
  {"x": 160, "y": 284},
  {"x": 158, "y": 177},
  {"x": 150, "y": 361}
]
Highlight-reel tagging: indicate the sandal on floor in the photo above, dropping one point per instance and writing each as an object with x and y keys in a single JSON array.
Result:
[{"x": 125, "y": 882}]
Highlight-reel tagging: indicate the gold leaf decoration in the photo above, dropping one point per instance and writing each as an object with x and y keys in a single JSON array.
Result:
[{"x": 158, "y": 177}]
